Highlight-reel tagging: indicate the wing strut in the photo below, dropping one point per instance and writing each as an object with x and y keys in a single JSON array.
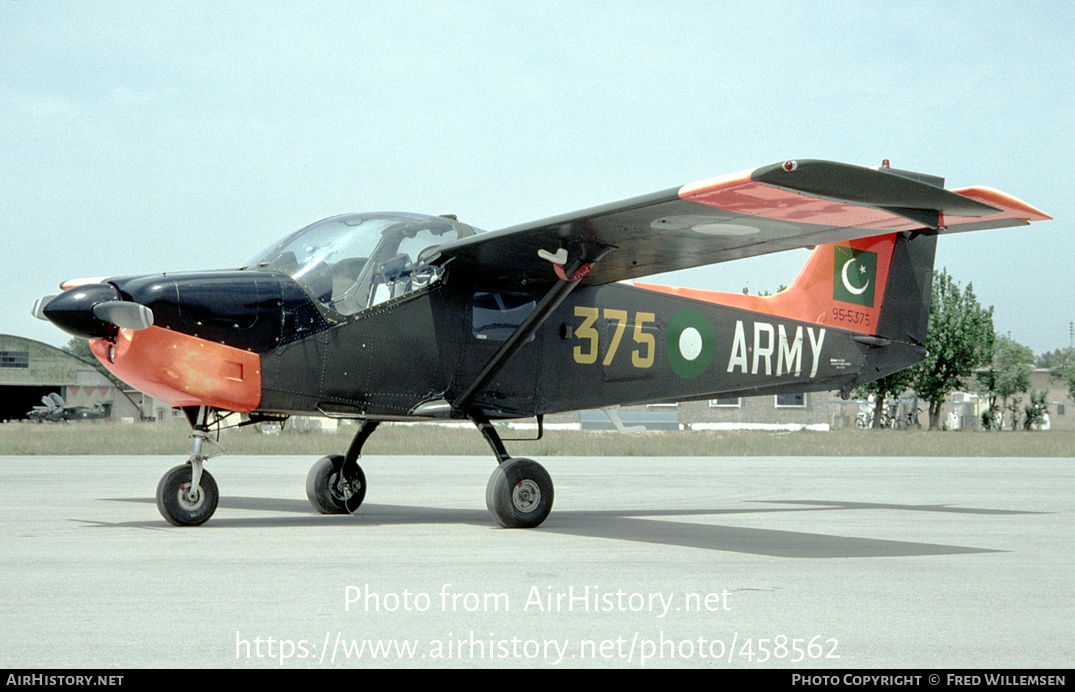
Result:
[{"x": 567, "y": 282}]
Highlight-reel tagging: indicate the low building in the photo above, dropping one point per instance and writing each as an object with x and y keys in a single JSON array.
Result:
[
  {"x": 1057, "y": 398},
  {"x": 962, "y": 410},
  {"x": 802, "y": 411},
  {"x": 799, "y": 411},
  {"x": 31, "y": 370}
]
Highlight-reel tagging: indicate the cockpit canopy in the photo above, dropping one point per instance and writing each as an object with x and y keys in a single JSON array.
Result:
[{"x": 356, "y": 261}]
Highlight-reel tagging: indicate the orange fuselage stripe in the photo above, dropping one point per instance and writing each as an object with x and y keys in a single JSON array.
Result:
[
  {"x": 183, "y": 370},
  {"x": 810, "y": 297}
]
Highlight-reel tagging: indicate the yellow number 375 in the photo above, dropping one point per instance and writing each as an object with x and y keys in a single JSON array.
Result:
[{"x": 586, "y": 354}]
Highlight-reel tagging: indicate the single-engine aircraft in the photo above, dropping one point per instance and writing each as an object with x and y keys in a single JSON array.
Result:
[{"x": 402, "y": 317}]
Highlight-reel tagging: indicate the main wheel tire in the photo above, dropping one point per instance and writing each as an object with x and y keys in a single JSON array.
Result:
[
  {"x": 323, "y": 487},
  {"x": 178, "y": 505},
  {"x": 519, "y": 494}
]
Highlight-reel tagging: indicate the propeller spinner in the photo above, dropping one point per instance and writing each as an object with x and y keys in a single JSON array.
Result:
[{"x": 92, "y": 311}]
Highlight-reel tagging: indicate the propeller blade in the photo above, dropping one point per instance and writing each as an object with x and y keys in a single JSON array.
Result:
[
  {"x": 39, "y": 307},
  {"x": 124, "y": 314}
]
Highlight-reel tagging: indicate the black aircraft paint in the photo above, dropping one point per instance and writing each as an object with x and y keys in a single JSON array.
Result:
[{"x": 382, "y": 317}]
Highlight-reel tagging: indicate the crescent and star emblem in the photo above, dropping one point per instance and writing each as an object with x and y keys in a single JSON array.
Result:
[{"x": 847, "y": 282}]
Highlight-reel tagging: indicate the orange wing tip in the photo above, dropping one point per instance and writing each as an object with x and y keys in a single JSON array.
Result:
[
  {"x": 712, "y": 184},
  {"x": 72, "y": 283},
  {"x": 1013, "y": 206}
]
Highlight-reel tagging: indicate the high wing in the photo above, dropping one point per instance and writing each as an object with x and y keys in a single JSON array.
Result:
[{"x": 788, "y": 205}]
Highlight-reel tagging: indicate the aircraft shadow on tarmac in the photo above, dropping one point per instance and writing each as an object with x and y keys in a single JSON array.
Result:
[{"x": 644, "y": 526}]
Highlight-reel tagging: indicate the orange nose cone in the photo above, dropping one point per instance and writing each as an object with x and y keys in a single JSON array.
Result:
[{"x": 183, "y": 370}]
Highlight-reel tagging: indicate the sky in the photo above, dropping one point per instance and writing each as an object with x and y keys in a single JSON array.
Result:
[{"x": 140, "y": 137}]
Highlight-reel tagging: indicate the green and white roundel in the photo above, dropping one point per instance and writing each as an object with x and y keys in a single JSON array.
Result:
[{"x": 690, "y": 343}]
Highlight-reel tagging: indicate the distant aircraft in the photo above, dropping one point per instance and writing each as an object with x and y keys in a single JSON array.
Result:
[
  {"x": 397, "y": 317},
  {"x": 55, "y": 409}
]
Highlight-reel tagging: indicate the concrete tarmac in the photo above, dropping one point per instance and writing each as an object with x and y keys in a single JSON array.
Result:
[{"x": 644, "y": 562}]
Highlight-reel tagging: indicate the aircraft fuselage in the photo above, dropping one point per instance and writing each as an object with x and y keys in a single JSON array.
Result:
[{"x": 255, "y": 341}]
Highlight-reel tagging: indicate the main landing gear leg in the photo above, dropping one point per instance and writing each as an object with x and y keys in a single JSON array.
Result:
[
  {"x": 336, "y": 484},
  {"x": 187, "y": 495},
  {"x": 519, "y": 493}
]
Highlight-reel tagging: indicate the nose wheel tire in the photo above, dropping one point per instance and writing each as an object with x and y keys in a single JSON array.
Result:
[
  {"x": 329, "y": 492},
  {"x": 519, "y": 494},
  {"x": 182, "y": 505}
]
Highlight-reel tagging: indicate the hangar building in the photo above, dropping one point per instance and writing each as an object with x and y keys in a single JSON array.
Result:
[{"x": 30, "y": 370}]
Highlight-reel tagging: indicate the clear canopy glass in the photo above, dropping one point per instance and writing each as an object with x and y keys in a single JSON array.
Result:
[{"x": 355, "y": 261}]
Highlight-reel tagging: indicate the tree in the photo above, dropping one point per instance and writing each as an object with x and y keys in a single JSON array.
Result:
[
  {"x": 746, "y": 290},
  {"x": 959, "y": 341},
  {"x": 1050, "y": 359},
  {"x": 1007, "y": 376},
  {"x": 1035, "y": 411},
  {"x": 1063, "y": 370},
  {"x": 80, "y": 348},
  {"x": 896, "y": 383}
]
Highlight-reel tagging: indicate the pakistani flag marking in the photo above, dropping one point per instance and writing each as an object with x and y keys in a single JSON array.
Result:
[{"x": 854, "y": 276}]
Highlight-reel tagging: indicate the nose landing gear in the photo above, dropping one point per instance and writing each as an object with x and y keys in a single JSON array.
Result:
[
  {"x": 187, "y": 495},
  {"x": 181, "y": 502}
]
